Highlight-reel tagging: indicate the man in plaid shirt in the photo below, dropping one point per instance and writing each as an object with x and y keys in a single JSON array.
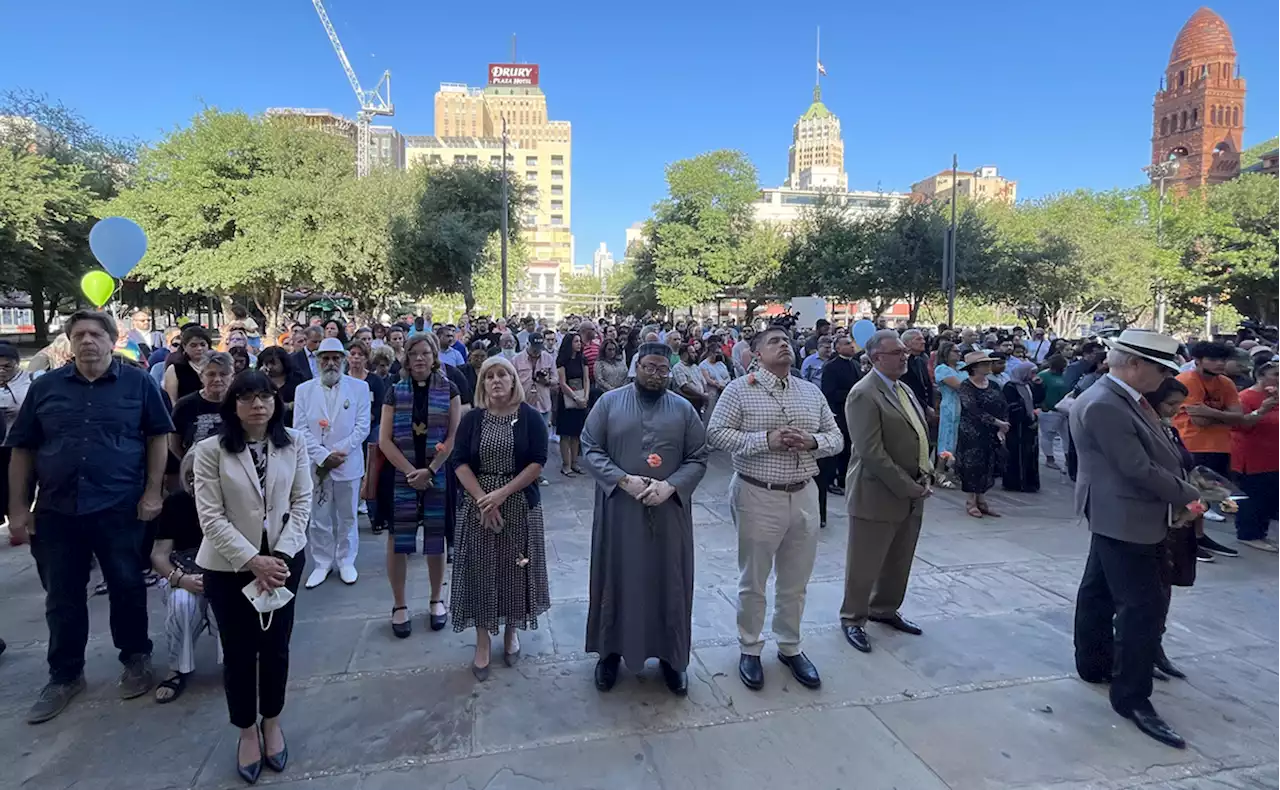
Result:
[{"x": 776, "y": 426}]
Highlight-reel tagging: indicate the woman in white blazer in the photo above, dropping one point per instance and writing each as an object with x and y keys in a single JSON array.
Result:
[{"x": 253, "y": 495}]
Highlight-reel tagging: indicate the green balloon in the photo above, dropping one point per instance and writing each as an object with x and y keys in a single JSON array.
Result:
[{"x": 98, "y": 287}]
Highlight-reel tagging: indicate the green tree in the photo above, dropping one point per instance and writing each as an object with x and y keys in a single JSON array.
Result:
[
  {"x": 758, "y": 266},
  {"x": 239, "y": 204},
  {"x": 439, "y": 246},
  {"x": 55, "y": 173},
  {"x": 1253, "y": 154},
  {"x": 638, "y": 295},
  {"x": 698, "y": 229}
]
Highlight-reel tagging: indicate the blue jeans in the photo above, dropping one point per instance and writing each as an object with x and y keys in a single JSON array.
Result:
[
  {"x": 1259, "y": 508},
  {"x": 62, "y": 546}
]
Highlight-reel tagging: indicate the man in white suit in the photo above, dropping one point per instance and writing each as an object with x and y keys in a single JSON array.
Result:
[{"x": 332, "y": 412}]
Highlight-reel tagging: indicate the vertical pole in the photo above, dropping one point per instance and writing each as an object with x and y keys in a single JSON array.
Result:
[
  {"x": 1160, "y": 296},
  {"x": 951, "y": 248},
  {"x": 505, "y": 211},
  {"x": 1208, "y": 317},
  {"x": 817, "y": 58}
]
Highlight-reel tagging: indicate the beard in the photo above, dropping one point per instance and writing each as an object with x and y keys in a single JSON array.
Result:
[
  {"x": 509, "y": 353},
  {"x": 330, "y": 378}
]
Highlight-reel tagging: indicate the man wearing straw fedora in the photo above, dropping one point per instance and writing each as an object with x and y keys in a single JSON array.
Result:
[{"x": 1130, "y": 479}]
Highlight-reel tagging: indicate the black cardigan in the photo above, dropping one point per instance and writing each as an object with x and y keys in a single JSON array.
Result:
[{"x": 529, "y": 433}]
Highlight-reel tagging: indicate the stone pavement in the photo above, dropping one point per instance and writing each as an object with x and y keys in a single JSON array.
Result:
[{"x": 985, "y": 699}]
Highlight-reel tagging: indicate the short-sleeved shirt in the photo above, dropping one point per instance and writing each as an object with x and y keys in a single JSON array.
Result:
[
  {"x": 683, "y": 375},
  {"x": 1216, "y": 392},
  {"x": 89, "y": 438},
  {"x": 179, "y": 522},
  {"x": 421, "y": 401},
  {"x": 195, "y": 418},
  {"x": 1055, "y": 389}
]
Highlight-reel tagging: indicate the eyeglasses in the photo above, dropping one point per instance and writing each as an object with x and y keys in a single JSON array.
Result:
[
  {"x": 248, "y": 398},
  {"x": 902, "y": 352},
  {"x": 656, "y": 370}
]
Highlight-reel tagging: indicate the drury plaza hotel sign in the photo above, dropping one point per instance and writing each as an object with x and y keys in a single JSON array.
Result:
[{"x": 513, "y": 74}]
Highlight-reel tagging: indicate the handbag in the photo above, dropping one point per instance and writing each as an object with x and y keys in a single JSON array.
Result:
[
  {"x": 1064, "y": 406},
  {"x": 185, "y": 561},
  {"x": 580, "y": 390},
  {"x": 372, "y": 470}
]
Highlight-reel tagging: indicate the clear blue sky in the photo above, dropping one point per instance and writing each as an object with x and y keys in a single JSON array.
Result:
[{"x": 1058, "y": 95}]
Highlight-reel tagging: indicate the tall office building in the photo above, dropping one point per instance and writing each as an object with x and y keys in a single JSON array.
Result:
[
  {"x": 602, "y": 261},
  {"x": 816, "y": 158},
  {"x": 539, "y": 157},
  {"x": 985, "y": 183}
]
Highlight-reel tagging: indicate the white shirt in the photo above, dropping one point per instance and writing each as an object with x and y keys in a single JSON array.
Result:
[
  {"x": 1038, "y": 349},
  {"x": 1133, "y": 393}
]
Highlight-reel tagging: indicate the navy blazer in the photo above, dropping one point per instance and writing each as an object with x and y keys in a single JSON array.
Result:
[{"x": 529, "y": 433}]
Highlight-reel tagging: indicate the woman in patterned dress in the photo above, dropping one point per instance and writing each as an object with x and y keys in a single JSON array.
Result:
[
  {"x": 984, "y": 416},
  {"x": 419, "y": 419},
  {"x": 500, "y": 561}
]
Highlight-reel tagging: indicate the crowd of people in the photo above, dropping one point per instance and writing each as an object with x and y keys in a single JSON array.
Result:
[{"x": 232, "y": 459}]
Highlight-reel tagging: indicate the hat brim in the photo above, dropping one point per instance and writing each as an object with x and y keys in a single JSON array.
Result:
[
  {"x": 1138, "y": 352},
  {"x": 964, "y": 364}
]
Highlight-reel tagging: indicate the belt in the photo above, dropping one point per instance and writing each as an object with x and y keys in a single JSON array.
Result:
[{"x": 789, "y": 488}]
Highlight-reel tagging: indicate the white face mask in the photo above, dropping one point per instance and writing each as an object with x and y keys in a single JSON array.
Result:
[
  {"x": 266, "y": 602},
  {"x": 509, "y": 353}
]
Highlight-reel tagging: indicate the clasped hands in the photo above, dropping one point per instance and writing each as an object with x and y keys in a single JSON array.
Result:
[
  {"x": 791, "y": 439},
  {"x": 491, "y": 508},
  {"x": 648, "y": 491},
  {"x": 268, "y": 572}
]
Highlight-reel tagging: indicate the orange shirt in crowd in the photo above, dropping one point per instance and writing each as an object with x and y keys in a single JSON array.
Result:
[
  {"x": 1256, "y": 448},
  {"x": 1216, "y": 392}
]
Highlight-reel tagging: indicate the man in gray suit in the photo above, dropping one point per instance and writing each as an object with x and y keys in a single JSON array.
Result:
[
  {"x": 1130, "y": 479},
  {"x": 888, "y": 483}
]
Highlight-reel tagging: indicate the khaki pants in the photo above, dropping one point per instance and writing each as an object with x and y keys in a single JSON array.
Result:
[
  {"x": 774, "y": 528},
  {"x": 878, "y": 565}
]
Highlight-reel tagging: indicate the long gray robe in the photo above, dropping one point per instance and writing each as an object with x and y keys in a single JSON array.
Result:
[{"x": 642, "y": 562}]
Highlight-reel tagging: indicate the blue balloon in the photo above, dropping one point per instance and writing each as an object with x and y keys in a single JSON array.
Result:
[
  {"x": 862, "y": 332},
  {"x": 118, "y": 244}
]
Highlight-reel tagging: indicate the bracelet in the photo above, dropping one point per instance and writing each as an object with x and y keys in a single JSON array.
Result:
[{"x": 169, "y": 578}]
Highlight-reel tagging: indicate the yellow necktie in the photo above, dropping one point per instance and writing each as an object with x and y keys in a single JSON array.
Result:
[{"x": 905, "y": 401}]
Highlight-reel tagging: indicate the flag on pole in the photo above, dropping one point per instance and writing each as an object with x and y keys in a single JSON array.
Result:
[{"x": 822, "y": 69}]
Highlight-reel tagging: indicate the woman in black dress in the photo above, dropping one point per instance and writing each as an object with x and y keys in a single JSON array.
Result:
[
  {"x": 1022, "y": 459},
  {"x": 575, "y": 391},
  {"x": 182, "y": 373},
  {"x": 984, "y": 418}
]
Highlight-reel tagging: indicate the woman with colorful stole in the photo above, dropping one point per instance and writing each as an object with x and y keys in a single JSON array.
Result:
[{"x": 420, "y": 417}]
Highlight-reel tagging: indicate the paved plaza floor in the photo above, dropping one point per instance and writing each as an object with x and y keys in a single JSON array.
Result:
[{"x": 986, "y": 698}]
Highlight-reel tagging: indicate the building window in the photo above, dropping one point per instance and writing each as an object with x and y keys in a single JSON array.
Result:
[
  {"x": 557, "y": 175},
  {"x": 1164, "y": 126},
  {"x": 530, "y": 219},
  {"x": 556, "y": 219},
  {"x": 496, "y": 161},
  {"x": 557, "y": 159},
  {"x": 557, "y": 189},
  {"x": 459, "y": 159},
  {"x": 531, "y": 161},
  {"x": 1182, "y": 78},
  {"x": 1183, "y": 123},
  {"x": 1195, "y": 116},
  {"x": 531, "y": 175},
  {"x": 557, "y": 205},
  {"x": 1235, "y": 116}
]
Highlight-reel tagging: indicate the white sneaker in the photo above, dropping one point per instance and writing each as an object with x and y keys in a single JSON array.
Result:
[
  {"x": 1213, "y": 515},
  {"x": 363, "y": 508},
  {"x": 348, "y": 574},
  {"x": 1260, "y": 545},
  {"x": 317, "y": 577},
  {"x": 555, "y": 437}
]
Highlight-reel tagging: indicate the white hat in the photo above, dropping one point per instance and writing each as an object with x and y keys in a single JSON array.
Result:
[
  {"x": 331, "y": 345},
  {"x": 1150, "y": 345}
]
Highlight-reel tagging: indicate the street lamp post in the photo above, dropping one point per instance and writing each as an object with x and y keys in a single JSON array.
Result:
[
  {"x": 949, "y": 254},
  {"x": 1160, "y": 173},
  {"x": 504, "y": 216}
]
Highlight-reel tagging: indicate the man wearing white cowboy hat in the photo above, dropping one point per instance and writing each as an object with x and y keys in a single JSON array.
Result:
[
  {"x": 1130, "y": 480},
  {"x": 332, "y": 411}
]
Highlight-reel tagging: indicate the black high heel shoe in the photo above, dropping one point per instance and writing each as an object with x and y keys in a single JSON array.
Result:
[
  {"x": 280, "y": 759},
  {"x": 401, "y": 630},
  {"x": 250, "y": 773},
  {"x": 438, "y": 620}
]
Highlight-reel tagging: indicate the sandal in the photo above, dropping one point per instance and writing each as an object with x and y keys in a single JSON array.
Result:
[
  {"x": 177, "y": 684},
  {"x": 973, "y": 510},
  {"x": 987, "y": 511},
  {"x": 577, "y": 470},
  {"x": 437, "y": 621},
  {"x": 401, "y": 630}
]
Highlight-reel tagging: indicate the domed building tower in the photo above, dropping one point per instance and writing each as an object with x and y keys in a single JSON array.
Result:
[{"x": 1199, "y": 109}]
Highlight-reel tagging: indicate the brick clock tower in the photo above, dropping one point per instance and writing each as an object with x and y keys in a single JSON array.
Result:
[{"x": 1199, "y": 109}]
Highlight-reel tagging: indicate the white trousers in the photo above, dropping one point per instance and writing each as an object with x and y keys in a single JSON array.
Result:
[
  {"x": 332, "y": 535},
  {"x": 186, "y": 617}
]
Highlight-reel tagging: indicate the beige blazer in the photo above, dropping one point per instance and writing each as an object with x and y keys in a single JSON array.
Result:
[
  {"x": 884, "y": 452},
  {"x": 233, "y": 508}
]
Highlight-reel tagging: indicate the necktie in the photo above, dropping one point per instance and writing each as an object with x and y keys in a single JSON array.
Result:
[{"x": 904, "y": 400}]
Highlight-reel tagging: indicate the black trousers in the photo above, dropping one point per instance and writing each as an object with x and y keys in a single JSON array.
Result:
[
  {"x": 63, "y": 546},
  {"x": 1120, "y": 612},
  {"x": 255, "y": 663}
]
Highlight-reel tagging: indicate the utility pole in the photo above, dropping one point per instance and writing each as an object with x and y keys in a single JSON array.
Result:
[
  {"x": 949, "y": 265},
  {"x": 1160, "y": 173},
  {"x": 505, "y": 210}
]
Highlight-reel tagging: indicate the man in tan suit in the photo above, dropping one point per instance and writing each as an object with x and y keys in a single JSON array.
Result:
[{"x": 888, "y": 482}]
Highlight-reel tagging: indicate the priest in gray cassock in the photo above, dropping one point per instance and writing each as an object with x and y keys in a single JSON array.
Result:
[{"x": 645, "y": 446}]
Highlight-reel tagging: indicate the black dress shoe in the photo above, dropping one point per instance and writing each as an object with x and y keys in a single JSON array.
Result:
[
  {"x": 751, "y": 672},
  {"x": 1166, "y": 666},
  {"x": 900, "y": 623},
  {"x": 401, "y": 630},
  {"x": 607, "y": 671},
  {"x": 1156, "y": 674},
  {"x": 803, "y": 670},
  {"x": 438, "y": 621},
  {"x": 835, "y": 490},
  {"x": 677, "y": 680},
  {"x": 856, "y": 635},
  {"x": 1150, "y": 723},
  {"x": 280, "y": 759},
  {"x": 253, "y": 770}
]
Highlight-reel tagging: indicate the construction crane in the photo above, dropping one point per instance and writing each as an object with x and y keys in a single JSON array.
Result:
[{"x": 371, "y": 102}]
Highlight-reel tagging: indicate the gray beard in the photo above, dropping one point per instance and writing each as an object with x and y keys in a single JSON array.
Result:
[{"x": 330, "y": 378}]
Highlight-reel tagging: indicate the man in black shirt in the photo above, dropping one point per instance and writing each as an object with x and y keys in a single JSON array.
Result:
[
  {"x": 917, "y": 377},
  {"x": 839, "y": 375}
]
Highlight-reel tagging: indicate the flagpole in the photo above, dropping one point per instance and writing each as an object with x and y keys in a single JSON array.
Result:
[{"x": 817, "y": 59}]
